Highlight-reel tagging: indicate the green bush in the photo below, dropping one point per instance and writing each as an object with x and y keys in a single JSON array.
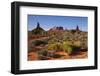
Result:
[
  {"x": 67, "y": 48},
  {"x": 61, "y": 47},
  {"x": 55, "y": 46},
  {"x": 64, "y": 46}
]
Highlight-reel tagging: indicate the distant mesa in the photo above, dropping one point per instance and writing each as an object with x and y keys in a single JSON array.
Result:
[
  {"x": 38, "y": 29},
  {"x": 58, "y": 28}
]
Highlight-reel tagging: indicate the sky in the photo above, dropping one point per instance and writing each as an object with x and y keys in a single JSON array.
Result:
[{"x": 67, "y": 22}]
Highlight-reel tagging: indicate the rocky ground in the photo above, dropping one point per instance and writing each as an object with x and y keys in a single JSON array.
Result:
[{"x": 57, "y": 43}]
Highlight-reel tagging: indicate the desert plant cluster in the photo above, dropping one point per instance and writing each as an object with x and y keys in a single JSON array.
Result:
[{"x": 56, "y": 43}]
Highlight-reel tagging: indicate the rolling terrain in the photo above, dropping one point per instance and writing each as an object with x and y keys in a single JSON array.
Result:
[{"x": 57, "y": 43}]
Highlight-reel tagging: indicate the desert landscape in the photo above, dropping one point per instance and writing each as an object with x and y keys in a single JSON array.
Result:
[{"x": 57, "y": 43}]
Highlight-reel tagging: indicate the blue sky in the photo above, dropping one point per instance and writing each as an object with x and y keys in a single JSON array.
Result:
[{"x": 67, "y": 22}]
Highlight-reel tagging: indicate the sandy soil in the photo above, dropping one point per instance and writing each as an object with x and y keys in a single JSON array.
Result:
[{"x": 80, "y": 55}]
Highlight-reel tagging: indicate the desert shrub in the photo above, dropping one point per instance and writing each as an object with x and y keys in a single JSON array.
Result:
[
  {"x": 76, "y": 48},
  {"x": 57, "y": 56},
  {"x": 52, "y": 41},
  {"x": 39, "y": 42},
  {"x": 70, "y": 50},
  {"x": 77, "y": 43},
  {"x": 42, "y": 57},
  {"x": 42, "y": 54},
  {"x": 55, "y": 46},
  {"x": 64, "y": 46},
  {"x": 67, "y": 48},
  {"x": 73, "y": 31}
]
